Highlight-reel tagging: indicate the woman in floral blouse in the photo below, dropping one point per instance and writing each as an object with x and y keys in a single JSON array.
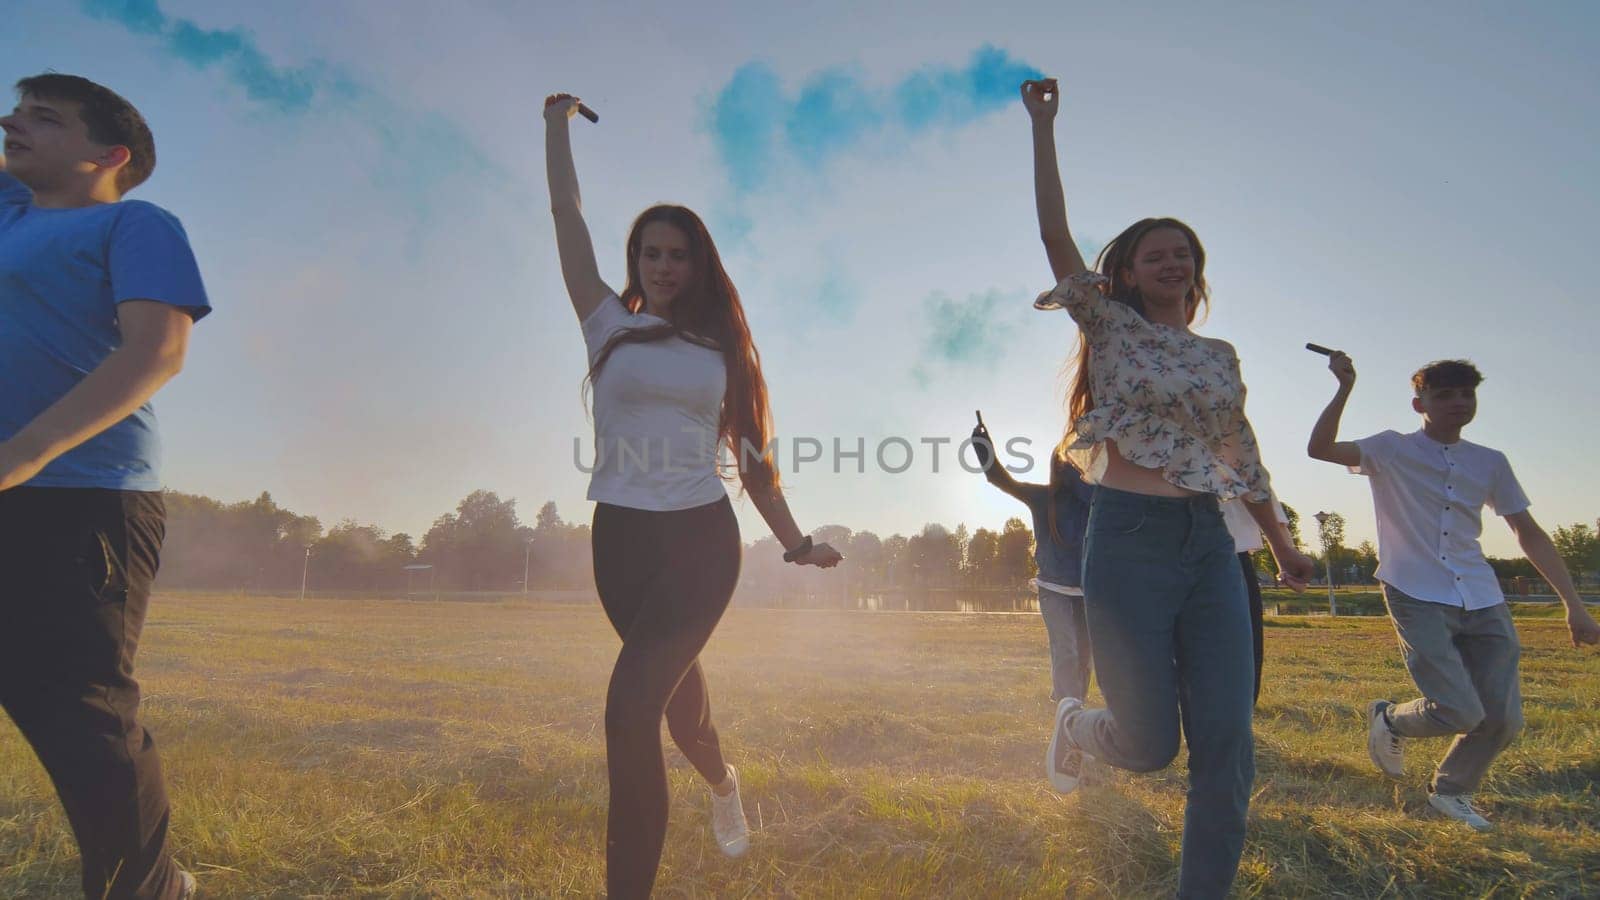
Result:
[{"x": 1158, "y": 426}]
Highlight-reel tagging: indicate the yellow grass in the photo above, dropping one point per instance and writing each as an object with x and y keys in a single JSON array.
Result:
[{"x": 393, "y": 749}]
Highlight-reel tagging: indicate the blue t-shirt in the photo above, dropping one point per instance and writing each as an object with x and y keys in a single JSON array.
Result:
[{"x": 62, "y": 274}]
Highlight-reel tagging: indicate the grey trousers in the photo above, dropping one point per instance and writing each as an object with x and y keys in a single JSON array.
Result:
[
  {"x": 1465, "y": 664},
  {"x": 1067, "y": 625}
]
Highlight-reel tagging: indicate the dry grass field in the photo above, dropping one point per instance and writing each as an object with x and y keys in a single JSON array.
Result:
[{"x": 384, "y": 748}]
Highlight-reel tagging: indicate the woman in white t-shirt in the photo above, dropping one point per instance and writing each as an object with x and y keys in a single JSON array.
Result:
[{"x": 675, "y": 377}]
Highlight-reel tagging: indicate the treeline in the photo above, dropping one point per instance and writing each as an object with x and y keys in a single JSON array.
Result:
[
  {"x": 258, "y": 546},
  {"x": 1578, "y": 545}
]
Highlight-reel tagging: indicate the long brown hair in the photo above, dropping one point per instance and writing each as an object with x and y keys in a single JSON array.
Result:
[
  {"x": 1061, "y": 469},
  {"x": 1113, "y": 262},
  {"x": 707, "y": 312}
]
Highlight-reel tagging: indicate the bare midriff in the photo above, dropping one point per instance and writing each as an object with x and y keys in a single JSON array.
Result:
[{"x": 1136, "y": 479}]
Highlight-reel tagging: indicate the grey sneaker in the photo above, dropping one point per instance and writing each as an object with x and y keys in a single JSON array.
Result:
[
  {"x": 1459, "y": 807},
  {"x": 1383, "y": 745},
  {"x": 1064, "y": 764},
  {"x": 728, "y": 824},
  {"x": 188, "y": 889}
]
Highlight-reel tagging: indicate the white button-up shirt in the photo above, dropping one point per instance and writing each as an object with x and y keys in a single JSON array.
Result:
[{"x": 1429, "y": 500}]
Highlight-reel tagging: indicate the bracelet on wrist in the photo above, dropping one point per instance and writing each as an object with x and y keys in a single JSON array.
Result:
[{"x": 800, "y": 549}]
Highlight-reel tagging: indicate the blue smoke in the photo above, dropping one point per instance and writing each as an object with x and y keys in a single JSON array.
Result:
[
  {"x": 138, "y": 16},
  {"x": 745, "y": 118},
  {"x": 425, "y": 149},
  {"x": 973, "y": 332},
  {"x": 233, "y": 50},
  {"x": 753, "y": 124}
]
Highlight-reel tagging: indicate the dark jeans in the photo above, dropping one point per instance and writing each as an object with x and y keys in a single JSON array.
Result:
[
  {"x": 1171, "y": 632},
  {"x": 76, "y": 567},
  {"x": 1252, "y": 584},
  {"x": 665, "y": 579}
]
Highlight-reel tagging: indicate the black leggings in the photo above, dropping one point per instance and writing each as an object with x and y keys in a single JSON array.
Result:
[
  {"x": 1252, "y": 585},
  {"x": 664, "y": 578}
]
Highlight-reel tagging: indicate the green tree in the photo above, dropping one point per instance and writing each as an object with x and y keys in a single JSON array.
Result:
[
  {"x": 1579, "y": 547},
  {"x": 548, "y": 517},
  {"x": 480, "y": 546},
  {"x": 896, "y": 562},
  {"x": 1366, "y": 560},
  {"x": 1262, "y": 559},
  {"x": 557, "y": 554},
  {"x": 935, "y": 556},
  {"x": 1014, "y": 563},
  {"x": 250, "y": 545},
  {"x": 1516, "y": 567},
  {"x": 1330, "y": 536},
  {"x": 983, "y": 553},
  {"x": 864, "y": 567},
  {"x": 352, "y": 556},
  {"x": 1330, "y": 531},
  {"x": 1293, "y": 526}
]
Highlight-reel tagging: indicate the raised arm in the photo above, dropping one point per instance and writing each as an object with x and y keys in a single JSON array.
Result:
[
  {"x": 1041, "y": 99},
  {"x": 1325, "y": 444},
  {"x": 997, "y": 474},
  {"x": 578, "y": 267}
]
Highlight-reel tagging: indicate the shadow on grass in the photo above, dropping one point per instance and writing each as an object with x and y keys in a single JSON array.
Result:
[{"x": 1322, "y": 770}]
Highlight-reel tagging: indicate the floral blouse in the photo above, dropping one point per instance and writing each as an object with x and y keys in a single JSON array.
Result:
[{"x": 1172, "y": 400}]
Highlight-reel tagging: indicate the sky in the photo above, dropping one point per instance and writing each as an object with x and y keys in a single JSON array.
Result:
[{"x": 363, "y": 184}]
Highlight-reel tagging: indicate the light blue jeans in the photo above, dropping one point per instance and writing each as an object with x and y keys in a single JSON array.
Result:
[
  {"x": 1071, "y": 655},
  {"x": 1170, "y": 622}
]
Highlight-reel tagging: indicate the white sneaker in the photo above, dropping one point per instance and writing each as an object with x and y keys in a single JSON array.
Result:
[
  {"x": 1383, "y": 745},
  {"x": 728, "y": 824},
  {"x": 1065, "y": 764},
  {"x": 1459, "y": 807},
  {"x": 188, "y": 889}
]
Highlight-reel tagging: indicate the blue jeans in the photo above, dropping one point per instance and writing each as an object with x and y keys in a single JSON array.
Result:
[
  {"x": 1067, "y": 626},
  {"x": 1170, "y": 623}
]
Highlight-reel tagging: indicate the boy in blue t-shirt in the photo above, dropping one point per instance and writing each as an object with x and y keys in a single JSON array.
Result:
[{"x": 97, "y": 298}]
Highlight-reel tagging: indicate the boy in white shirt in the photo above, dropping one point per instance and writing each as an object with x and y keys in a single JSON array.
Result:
[{"x": 1428, "y": 490}]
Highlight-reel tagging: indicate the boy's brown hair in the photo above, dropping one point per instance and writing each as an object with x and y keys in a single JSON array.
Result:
[{"x": 1446, "y": 373}]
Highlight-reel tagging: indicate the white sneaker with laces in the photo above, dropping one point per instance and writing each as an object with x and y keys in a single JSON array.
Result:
[
  {"x": 1383, "y": 745},
  {"x": 1459, "y": 807},
  {"x": 728, "y": 823},
  {"x": 1065, "y": 764}
]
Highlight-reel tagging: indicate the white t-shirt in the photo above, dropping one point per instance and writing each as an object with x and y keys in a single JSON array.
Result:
[
  {"x": 1429, "y": 500},
  {"x": 1064, "y": 589},
  {"x": 1242, "y": 526},
  {"x": 656, "y": 408}
]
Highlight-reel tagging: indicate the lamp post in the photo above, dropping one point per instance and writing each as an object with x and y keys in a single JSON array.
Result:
[
  {"x": 1327, "y": 560},
  {"x": 304, "y": 568},
  {"x": 527, "y": 554}
]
